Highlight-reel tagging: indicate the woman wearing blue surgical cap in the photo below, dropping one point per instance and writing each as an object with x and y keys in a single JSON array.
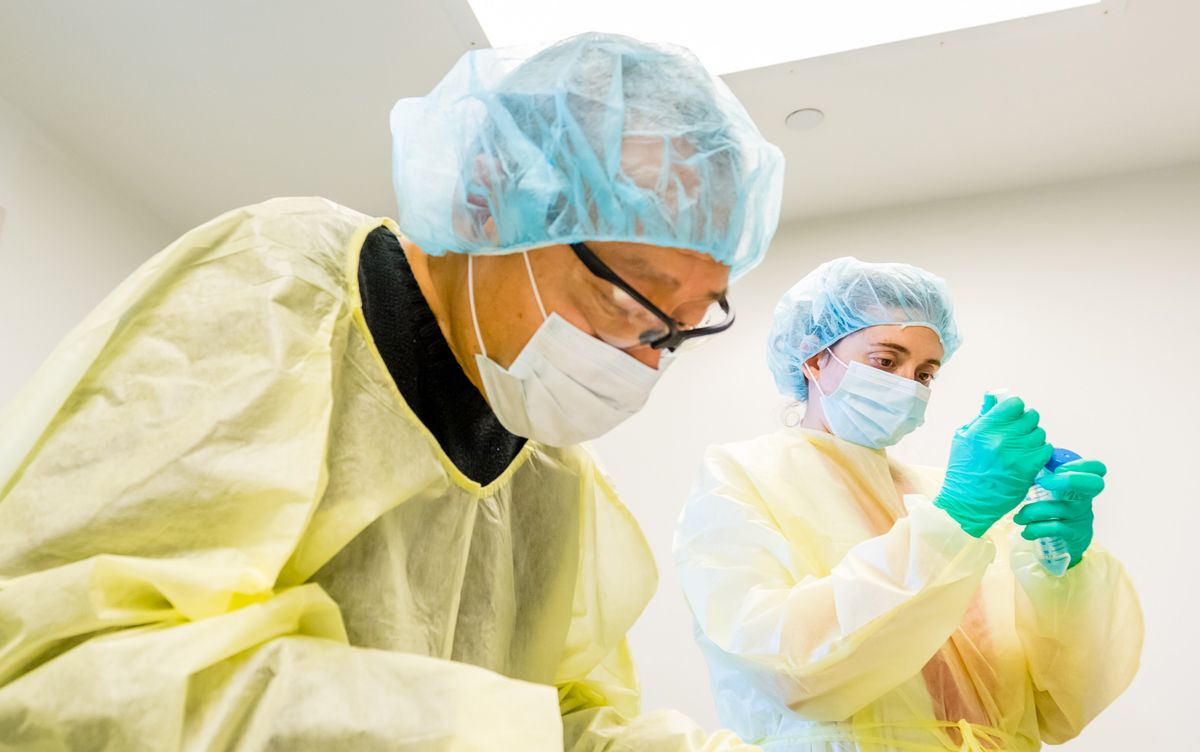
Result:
[
  {"x": 311, "y": 480},
  {"x": 846, "y": 601}
]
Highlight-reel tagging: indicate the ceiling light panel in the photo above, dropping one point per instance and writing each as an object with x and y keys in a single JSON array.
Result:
[{"x": 737, "y": 35}]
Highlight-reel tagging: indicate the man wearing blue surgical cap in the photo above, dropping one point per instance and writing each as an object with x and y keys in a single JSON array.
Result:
[
  {"x": 311, "y": 480},
  {"x": 847, "y": 601}
]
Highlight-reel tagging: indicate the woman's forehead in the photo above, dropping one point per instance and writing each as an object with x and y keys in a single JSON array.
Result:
[{"x": 912, "y": 337}]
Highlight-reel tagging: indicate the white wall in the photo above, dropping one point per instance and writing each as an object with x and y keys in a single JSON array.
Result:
[
  {"x": 1083, "y": 298},
  {"x": 66, "y": 239}
]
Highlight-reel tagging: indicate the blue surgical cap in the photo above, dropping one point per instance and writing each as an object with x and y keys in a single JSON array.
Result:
[
  {"x": 597, "y": 137},
  {"x": 845, "y": 295}
]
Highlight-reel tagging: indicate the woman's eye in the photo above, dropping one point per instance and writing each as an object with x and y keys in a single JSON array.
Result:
[
  {"x": 925, "y": 378},
  {"x": 885, "y": 362}
]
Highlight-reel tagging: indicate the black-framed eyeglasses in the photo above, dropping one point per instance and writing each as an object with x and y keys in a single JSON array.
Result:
[{"x": 661, "y": 331}]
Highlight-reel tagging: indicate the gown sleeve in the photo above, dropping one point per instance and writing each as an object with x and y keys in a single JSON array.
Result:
[
  {"x": 825, "y": 643},
  {"x": 156, "y": 476},
  {"x": 598, "y": 688},
  {"x": 1082, "y": 635}
]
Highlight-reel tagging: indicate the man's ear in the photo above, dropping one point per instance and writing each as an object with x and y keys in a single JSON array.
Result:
[{"x": 474, "y": 219}]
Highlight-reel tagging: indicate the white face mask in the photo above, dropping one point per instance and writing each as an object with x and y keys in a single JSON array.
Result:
[
  {"x": 872, "y": 407},
  {"x": 565, "y": 386}
]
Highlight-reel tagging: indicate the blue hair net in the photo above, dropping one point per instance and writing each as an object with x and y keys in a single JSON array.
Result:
[
  {"x": 597, "y": 137},
  {"x": 845, "y": 295}
]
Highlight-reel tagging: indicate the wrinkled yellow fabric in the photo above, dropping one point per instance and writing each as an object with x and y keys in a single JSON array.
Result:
[
  {"x": 221, "y": 527},
  {"x": 838, "y": 609}
]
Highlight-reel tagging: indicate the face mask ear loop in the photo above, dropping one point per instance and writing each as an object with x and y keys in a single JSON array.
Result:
[
  {"x": 471, "y": 298},
  {"x": 537, "y": 295},
  {"x": 843, "y": 363}
]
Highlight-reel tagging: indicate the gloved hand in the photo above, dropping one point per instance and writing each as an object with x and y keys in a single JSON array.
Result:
[
  {"x": 993, "y": 461},
  {"x": 1069, "y": 514}
]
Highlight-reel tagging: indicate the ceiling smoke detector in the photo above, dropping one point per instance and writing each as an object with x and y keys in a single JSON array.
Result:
[{"x": 804, "y": 119}]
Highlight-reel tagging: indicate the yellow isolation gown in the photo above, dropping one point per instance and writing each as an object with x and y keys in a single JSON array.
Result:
[
  {"x": 838, "y": 609},
  {"x": 222, "y": 528}
]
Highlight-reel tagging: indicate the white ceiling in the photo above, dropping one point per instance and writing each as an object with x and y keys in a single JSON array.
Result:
[{"x": 194, "y": 108}]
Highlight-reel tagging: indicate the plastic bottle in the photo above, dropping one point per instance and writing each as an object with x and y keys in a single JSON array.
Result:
[{"x": 1052, "y": 552}]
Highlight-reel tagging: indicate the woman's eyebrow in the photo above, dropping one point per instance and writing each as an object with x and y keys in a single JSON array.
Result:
[{"x": 904, "y": 350}]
